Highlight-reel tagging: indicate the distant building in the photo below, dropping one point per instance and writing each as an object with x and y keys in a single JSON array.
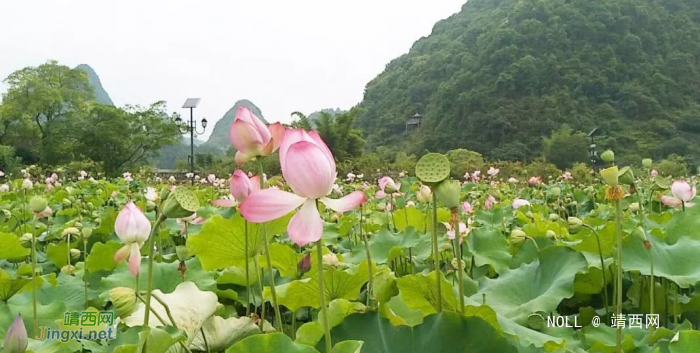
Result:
[{"x": 413, "y": 123}]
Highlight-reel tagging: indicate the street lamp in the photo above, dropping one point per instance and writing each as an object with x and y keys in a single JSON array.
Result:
[
  {"x": 190, "y": 128},
  {"x": 592, "y": 149}
]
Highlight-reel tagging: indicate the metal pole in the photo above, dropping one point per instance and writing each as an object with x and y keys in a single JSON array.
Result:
[{"x": 192, "y": 145}]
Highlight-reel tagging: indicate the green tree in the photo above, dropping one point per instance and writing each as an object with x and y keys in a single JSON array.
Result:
[
  {"x": 53, "y": 97},
  {"x": 463, "y": 160},
  {"x": 564, "y": 147},
  {"x": 124, "y": 138}
]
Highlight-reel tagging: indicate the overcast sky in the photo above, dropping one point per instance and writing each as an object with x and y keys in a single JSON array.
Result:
[{"x": 282, "y": 55}]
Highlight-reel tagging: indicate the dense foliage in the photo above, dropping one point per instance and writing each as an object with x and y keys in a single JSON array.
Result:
[{"x": 501, "y": 75}]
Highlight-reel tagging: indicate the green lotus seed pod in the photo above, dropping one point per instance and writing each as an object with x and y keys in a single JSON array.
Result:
[
  {"x": 124, "y": 301},
  {"x": 150, "y": 206},
  {"x": 68, "y": 269},
  {"x": 553, "y": 217},
  {"x": 610, "y": 176},
  {"x": 72, "y": 231},
  {"x": 647, "y": 163},
  {"x": 181, "y": 203},
  {"x": 626, "y": 176},
  {"x": 87, "y": 232},
  {"x": 90, "y": 206},
  {"x": 38, "y": 204},
  {"x": 447, "y": 193},
  {"x": 518, "y": 236},
  {"x": 575, "y": 224},
  {"x": 634, "y": 207},
  {"x": 74, "y": 254},
  {"x": 535, "y": 321},
  {"x": 433, "y": 168},
  {"x": 608, "y": 156},
  {"x": 551, "y": 234},
  {"x": 556, "y": 192},
  {"x": 26, "y": 240},
  {"x": 182, "y": 252}
]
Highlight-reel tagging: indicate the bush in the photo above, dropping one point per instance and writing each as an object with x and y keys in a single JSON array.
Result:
[
  {"x": 463, "y": 160},
  {"x": 582, "y": 173},
  {"x": 9, "y": 162},
  {"x": 673, "y": 165}
]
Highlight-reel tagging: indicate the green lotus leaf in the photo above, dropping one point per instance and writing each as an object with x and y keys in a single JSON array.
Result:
[
  {"x": 101, "y": 257},
  {"x": 11, "y": 248},
  {"x": 534, "y": 287},
  {"x": 678, "y": 262},
  {"x": 221, "y": 333},
  {"x": 420, "y": 292},
  {"x": 273, "y": 342},
  {"x": 10, "y": 286},
  {"x": 489, "y": 247},
  {"x": 349, "y": 346}
]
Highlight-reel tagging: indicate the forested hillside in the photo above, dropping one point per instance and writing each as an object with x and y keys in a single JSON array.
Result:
[{"x": 501, "y": 75}]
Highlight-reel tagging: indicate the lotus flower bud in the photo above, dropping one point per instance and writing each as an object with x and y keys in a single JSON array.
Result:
[
  {"x": 74, "y": 254},
  {"x": 78, "y": 225},
  {"x": 553, "y": 217},
  {"x": 448, "y": 193},
  {"x": 37, "y": 204},
  {"x": 496, "y": 193},
  {"x": 575, "y": 224},
  {"x": 647, "y": 163},
  {"x": 517, "y": 236},
  {"x": 610, "y": 176},
  {"x": 66, "y": 203},
  {"x": 455, "y": 264},
  {"x": 124, "y": 300},
  {"x": 330, "y": 259},
  {"x": 536, "y": 321},
  {"x": 87, "y": 232},
  {"x": 150, "y": 206},
  {"x": 529, "y": 214},
  {"x": 182, "y": 252},
  {"x": 551, "y": 234},
  {"x": 608, "y": 156},
  {"x": 639, "y": 234},
  {"x": 304, "y": 264},
  {"x": 424, "y": 194},
  {"x": 90, "y": 206},
  {"x": 7, "y": 214},
  {"x": 634, "y": 207},
  {"x": 26, "y": 240},
  {"x": 16, "y": 337},
  {"x": 556, "y": 192},
  {"x": 27, "y": 184}
]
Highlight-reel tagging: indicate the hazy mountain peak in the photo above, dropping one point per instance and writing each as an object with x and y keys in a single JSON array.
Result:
[{"x": 101, "y": 96}]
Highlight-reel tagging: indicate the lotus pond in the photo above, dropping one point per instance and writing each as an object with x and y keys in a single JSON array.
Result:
[{"x": 307, "y": 262}]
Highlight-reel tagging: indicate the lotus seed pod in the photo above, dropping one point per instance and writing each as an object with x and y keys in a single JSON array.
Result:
[
  {"x": 647, "y": 163},
  {"x": 447, "y": 193},
  {"x": 66, "y": 203},
  {"x": 551, "y": 234},
  {"x": 68, "y": 269},
  {"x": 626, "y": 176},
  {"x": 517, "y": 236},
  {"x": 608, "y": 156},
  {"x": 575, "y": 224},
  {"x": 182, "y": 252},
  {"x": 26, "y": 240},
  {"x": 535, "y": 321},
  {"x": 150, "y": 206},
  {"x": 181, "y": 203},
  {"x": 124, "y": 301},
  {"x": 556, "y": 192},
  {"x": 610, "y": 176},
  {"x": 634, "y": 207},
  {"x": 87, "y": 232},
  {"x": 72, "y": 231},
  {"x": 74, "y": 254},
  {"x": 433, "y": 168},
  {"x": 553, "y": 217},
  {"x": 455, "y": 264},
  {"x": 37, "y": 204}
]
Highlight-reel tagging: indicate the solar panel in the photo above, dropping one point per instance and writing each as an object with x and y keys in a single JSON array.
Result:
[{"x": 191, "y": 103}]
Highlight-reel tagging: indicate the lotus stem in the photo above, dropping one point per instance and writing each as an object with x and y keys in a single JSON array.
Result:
[
  {"x": 618, "y": 304},
  {"x": 247, "y": 271},
  {"x": 652, "y": 282},
  {"x": 151, "y": 255},
  {"x": 160, "y": 318},
  {"x": 602, "y": 269},
  {"x": 368, "y": 254},
  {"x": 85, "y": 273},
  {"x": 322, "y": 297},
  {"x": 436, "y": 258},
  {"x": 204, "y": 338},
  {"x": 260, "y": 274},
  {"x": 460, "y": 275},
  {"x": 266, "y": 246}
]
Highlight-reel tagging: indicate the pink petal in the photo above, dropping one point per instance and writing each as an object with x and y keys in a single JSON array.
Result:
[
  {"x": 319, "y": 141},
  {"x": 240, "y": 185},
  {"x": 122, "y": 253},
  {"x": 292, "y": 136},
  {"x": 311, "y": 175},
  {"x": 244, "y": 136},
  {"x": 306, "y": 226},
  {"x": 135, "y": 259},
  {"x": 383, "y": 182},
  {"x": 380, "y": 194},
  {"x": 671, "y": 201},
  {"x": 228, "y": 203},
  {"x": 255, "y": 183},
  {"x": 277, "y": 134},
  {"x": 346, "y": 203},
  {"x": 266, "y": 205}
]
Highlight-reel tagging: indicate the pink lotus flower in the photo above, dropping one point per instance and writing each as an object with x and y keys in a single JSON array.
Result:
[
  {"x": 517, "y": 203},
  {"x": 193, "y": 219},
  {"x": 47, "y": 212},
  {"x": 476, "y": 176},
  {"x": 467, "y": 207},
  {"x": 387, "y": 185},
  {"x": 309, "y": 168},
  {"x": 151, "y": 194},
  {"x": 410, "y": 203},
  {"x": 4, "y": 188},
  {"x": 251, "y": 137},
  {"x": 512, "y": 180},
  {"x": 534, "y": 181},
  {"x": 493, "y": 171},
  {"x": 240, "y": 186},
  {"x": 211, "y": 178},
  {"x": 16, "y": 337},
  {"x": 682, "y": 193},
  {"x": 133, "y": 228},
  {"x": 653, "y": 173},
  {"x": 463, "y": 230},
  {"x": 567, "y": 176},
  {"x": 490, "y": 201},
  {"x": 82, "y": 174}
]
